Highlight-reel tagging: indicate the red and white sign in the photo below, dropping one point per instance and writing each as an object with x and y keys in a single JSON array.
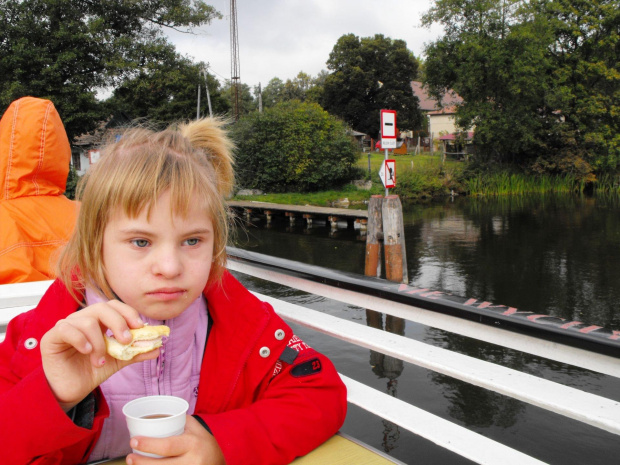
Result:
[
  {"x": 388, "y": 129},
  {"x": 387, "y": 173}
]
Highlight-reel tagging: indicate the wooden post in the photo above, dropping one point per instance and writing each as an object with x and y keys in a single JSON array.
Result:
[
  {"x": 374, "y": 234},
  {"x": 443, "y": 152},
  {"x": 291, "y": 217},
  {"x": 386, "y": 157},
  {"x": 382, "y": 365},
  {"x": 394, "y": 240}
]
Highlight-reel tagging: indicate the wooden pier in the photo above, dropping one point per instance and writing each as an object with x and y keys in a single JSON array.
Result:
[{"x": 303, "y": 212}]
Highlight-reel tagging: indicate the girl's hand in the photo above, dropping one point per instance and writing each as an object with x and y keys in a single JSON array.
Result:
[
  {"x": 195, "y": 446},
  {"x": 73, "y": 352}
]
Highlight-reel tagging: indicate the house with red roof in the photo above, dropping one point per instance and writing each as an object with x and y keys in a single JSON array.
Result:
[{"x": 441, "y": 115}]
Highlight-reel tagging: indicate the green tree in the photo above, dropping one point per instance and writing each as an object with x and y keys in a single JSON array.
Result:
[
  {"x": 540, "y": 80},
  {"x": 247, "y": 103},
  {"x": 585, "y": 54},
  {"x": 166, "y": 90},
  {"x": 65, "y": 50},
  {"x": 297, "y": 88},
  {"x": 367, "y": 75},
  {"x": 272, "y": 94},
  {"x": 293, "y": 147},
  {"x": 315, "y": 93},
  {"x": 303, "y": 88},
  {"x": 496, "y": 67},
  {"x": 72, "y": 181}
]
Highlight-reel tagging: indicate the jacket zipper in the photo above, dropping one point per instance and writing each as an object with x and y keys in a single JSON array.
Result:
[{"x": 161, "y": 366}]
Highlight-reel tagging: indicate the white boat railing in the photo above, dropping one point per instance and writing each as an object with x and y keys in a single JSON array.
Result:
[{"x": 573, "y": 403}]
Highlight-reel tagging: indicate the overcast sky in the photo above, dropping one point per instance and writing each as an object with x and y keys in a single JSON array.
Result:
[{"x": 279, "y": 38}]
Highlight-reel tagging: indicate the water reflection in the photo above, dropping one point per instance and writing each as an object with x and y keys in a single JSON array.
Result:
[
  {"x": 519, "y": 361},
  {"x": 552, "y": 255},
  {"x": 555, "y": 255},
  {"x": 388, "y": 367},
  {"x": 478, "y": 407}
]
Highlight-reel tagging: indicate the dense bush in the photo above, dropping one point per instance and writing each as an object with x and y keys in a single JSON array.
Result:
[
  {"x": 293, "y": 147},
  {"x": 72, "y": 181}
]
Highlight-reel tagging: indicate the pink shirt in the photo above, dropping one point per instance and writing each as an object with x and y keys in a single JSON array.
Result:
[{"x": 175, "y": 372}]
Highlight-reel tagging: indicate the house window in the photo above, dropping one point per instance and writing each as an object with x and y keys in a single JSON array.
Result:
[
  {"x": 75, "y": 161},
  {"x": 93, "y": 156}
]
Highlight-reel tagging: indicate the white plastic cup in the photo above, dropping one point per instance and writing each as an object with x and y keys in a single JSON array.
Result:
[{"x": 155, "y": 417}]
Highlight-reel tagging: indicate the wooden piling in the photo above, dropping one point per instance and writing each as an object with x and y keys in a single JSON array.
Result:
[
  {"x": 291, "y": 217},
  {"x": 374, "y": 235},
  {"x": 389, "y": 367},
  {"x": 394, "y": 240}
]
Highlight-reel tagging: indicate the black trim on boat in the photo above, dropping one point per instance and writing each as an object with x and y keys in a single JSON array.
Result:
[{"x": 572, "y": 333}]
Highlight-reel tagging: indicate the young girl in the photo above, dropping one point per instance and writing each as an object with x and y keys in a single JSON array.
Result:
[{"x": 149, "y": 247}]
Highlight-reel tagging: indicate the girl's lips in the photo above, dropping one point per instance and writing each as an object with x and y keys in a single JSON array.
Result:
[{"x": 167, "y": 294}]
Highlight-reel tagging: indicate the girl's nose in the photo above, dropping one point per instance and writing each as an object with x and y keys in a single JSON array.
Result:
[{"x": 167, "y": 263}]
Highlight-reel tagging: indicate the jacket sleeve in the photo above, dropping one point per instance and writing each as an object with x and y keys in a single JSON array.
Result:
[
  {"x": 297, "y": 410},
  {"x": 31, "y": 420}
]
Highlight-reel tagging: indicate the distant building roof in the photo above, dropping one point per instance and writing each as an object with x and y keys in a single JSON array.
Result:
[
  {"x": 427, "y": 103},
  {"x": 451, "y": 110},
  {"x": 115, "y": 123}
]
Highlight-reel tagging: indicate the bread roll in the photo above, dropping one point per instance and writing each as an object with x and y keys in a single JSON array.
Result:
[{"x": 145, "y": 339}]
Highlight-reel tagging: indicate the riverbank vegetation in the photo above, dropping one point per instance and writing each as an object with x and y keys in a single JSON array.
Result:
[
  {"x": 293, "y": 147},
  {"x": 540, "y": 82},
  {"x": 424, "y": 177}
]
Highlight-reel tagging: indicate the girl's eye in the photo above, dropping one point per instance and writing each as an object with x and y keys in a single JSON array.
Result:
[
  {"x": 192, "y": 241},
  {"x": 140, "y": 242}
]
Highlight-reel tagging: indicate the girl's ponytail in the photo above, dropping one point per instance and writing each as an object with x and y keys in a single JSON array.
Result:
[{"x": 208, "y": 134}]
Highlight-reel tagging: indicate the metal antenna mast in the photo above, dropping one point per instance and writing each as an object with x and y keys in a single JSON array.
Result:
[{"x": 234, "y": 60}]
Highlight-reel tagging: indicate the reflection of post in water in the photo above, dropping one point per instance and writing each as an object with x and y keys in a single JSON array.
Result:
[{"x": 383, "y": 365}]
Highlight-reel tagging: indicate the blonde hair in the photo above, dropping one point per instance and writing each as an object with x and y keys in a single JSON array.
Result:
[{"x": 193, "y": 160}]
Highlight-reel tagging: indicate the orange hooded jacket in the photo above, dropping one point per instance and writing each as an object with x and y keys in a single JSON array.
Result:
[{"x": 36, "y": 219}]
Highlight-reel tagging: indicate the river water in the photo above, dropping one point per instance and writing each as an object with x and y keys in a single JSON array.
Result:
[{"x": 553, "y": 255}]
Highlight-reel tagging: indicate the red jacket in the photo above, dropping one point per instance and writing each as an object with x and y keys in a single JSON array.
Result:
[{"x": 260, "y": 409}]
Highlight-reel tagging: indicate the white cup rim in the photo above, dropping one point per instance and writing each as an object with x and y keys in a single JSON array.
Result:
[{"x": 183, "y": 405}]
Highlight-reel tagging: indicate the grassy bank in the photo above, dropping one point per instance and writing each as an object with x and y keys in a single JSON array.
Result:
[
  {"x": 418, "y": 177},
  {"x": 356, "y": 197},
  {"x": 424, "y": 177},
  {"x": 509, "y": 182},
  {"x": 518, "y": 184}
]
